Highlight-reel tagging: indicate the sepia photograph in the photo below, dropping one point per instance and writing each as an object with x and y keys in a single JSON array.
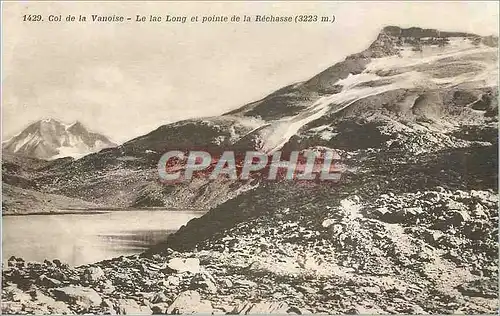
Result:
[{"x": 249, "y": 157}]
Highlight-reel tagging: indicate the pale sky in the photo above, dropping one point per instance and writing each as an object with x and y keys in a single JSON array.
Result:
[{"x": 124, "y": 80}]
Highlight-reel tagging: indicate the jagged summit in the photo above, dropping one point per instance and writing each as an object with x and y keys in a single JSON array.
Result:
[
  {"x": 51, "y": 139},
  {"x": 393, "y": 39},
  {"x": 418, "y": 32}
]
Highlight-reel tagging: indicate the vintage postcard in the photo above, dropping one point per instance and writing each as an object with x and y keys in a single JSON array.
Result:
[{"x": 244, "y": 157}]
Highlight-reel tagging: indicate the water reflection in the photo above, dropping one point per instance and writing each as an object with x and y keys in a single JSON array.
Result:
[
  {"x": 137, "y": 240},
  {"x": 82, "y": 238}
]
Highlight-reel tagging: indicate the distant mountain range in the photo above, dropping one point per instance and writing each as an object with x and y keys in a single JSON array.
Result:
[{"x": 51, "y": 139}]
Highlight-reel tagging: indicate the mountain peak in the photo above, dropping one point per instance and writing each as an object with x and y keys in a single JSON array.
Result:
[
  {"x": 393, "y": 39},
  {"x": 55, "y": 122},
  {"x": 418, "y": 32},
  {"x": 408, "y": 74},
  {"x": 48, "y": 121},
  {"x": 50, "y": 139}
]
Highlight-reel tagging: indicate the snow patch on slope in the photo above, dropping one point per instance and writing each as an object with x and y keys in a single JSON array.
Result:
[
  {"x": 30, "y": 139},
  {"x": 283, "y": 130},
  {"x": 278, "y": 133}
]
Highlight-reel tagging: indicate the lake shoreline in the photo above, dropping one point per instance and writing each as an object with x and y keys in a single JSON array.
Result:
[{"x": 95, "y": 211}]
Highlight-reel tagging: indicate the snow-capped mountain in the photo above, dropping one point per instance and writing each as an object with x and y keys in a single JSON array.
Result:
[
  {"x": 413, "y": 75},
  {"x": 51, "y": 139}
]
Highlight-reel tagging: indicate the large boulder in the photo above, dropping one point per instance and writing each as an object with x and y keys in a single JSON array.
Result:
[
  {"x": 81, "y": 296},
  {"x": 180, "y": 265},
  {"x": 93, "y": 274},
  {"x": 45, "y": 281},
  {"x": 189, "y": 302},
  {"x": 131, "y": 307}
]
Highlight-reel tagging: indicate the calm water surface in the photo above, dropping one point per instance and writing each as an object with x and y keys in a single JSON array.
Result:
[{"x": 85, "y": 238}]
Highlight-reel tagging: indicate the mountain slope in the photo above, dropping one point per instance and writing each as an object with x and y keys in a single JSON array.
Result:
[
  {"x": 51, "y": 139},
  {"x": 422, "y": 77}
]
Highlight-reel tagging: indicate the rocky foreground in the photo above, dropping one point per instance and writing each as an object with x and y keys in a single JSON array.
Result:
[{"x": 413, "y": 253}]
